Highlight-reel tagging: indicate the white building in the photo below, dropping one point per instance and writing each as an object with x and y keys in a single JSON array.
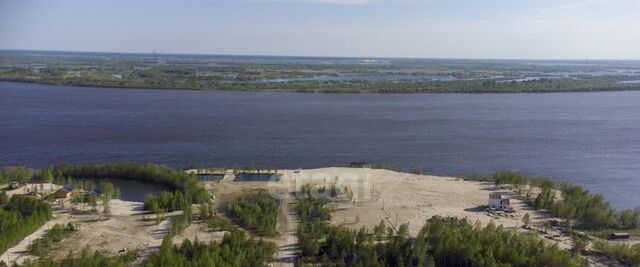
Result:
[{"x": 499, "y": 201}]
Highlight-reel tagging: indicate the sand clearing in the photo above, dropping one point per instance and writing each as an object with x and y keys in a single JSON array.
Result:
[
  {"x": 392, "y": 197},
  {"x": 400, "y": 198}
]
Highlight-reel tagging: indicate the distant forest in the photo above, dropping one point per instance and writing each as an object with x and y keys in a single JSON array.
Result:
[{"x": 306, "y": 74}]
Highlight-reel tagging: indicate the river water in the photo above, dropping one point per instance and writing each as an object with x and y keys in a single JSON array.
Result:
[{"x": 591, "y": 139}]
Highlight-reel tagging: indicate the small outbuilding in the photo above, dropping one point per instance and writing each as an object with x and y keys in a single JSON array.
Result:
[
  {"x": 95, "y": 192},
  {"x": 619, "y": 236},
  {"x": 499, "y": 201},
  {"x": 64, "y": 192}
]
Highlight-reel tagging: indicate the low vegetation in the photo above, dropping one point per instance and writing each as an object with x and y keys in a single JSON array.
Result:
[
  {"x": 181, "y": 221},
  {"x": 256, "y": 211},
  {"x": 20, "y": 217},
  {"x": 236, "y": 249},
  {"x": 41, "y": 246},
  {"x": 625, "y": 254}
]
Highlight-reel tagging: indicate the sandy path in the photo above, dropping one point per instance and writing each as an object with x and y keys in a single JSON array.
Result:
[
  {"x": 18, "y": 253},
  {"x": 287, "y": 226},
  {"x": 155, "y": 241}
]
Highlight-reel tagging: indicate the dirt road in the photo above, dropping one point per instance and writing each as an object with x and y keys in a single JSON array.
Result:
[
  {"x": 18, "y": 253},
  {"x": 287, "y": 226}
]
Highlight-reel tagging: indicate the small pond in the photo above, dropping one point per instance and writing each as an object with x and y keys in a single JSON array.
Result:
[{"x": 134, "y": 190}]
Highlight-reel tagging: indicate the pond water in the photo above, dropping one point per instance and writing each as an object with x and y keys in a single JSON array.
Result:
[{"x": 133, "y": 190}]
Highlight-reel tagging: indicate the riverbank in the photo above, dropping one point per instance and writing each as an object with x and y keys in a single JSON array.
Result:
[{"x": 426, "y": 88}]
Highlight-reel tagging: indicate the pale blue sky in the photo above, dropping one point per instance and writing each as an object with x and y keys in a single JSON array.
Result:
[{"x": 535, "y": 29}]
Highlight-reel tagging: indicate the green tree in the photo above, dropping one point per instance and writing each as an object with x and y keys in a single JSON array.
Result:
[
  {"x": 4, "y": 199},
  {"x": 204, "y": 211},
  {"x": 46, "y": 176},
  {"x": 579, "y": 244},
  {"x": 526, "y": 219},
  {"x": 106, "y": 204},
  {"x": 379, "y": 230}
]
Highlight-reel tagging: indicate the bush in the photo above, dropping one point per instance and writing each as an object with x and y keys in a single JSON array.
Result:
[
  {"x": 623, "y": 253},
  {"x": 41, "y": 246},
  {"x": 257, "y": 210},
  {"x": 236, "y": 249},
  {"x": 85, "y": 259}
]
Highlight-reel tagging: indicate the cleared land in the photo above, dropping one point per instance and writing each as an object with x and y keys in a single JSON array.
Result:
[{"x": 375, "y": 195}]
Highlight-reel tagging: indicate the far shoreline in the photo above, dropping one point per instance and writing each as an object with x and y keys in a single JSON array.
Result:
[{"x": 317, "y": 91}]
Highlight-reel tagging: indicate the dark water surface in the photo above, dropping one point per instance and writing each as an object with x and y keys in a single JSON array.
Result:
[
  {"x": 133, "y": 190},
  {"x": 592, "y": 139}
]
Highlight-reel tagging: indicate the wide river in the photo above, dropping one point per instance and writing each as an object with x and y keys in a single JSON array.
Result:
[{"x": 591, "y": 139}]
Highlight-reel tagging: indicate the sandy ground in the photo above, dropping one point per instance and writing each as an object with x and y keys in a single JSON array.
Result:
[
  {"x": 397, "y": 198},
  {"x": 18, "y": 253},
  {"x": 392, "y": 197},
  {"x": 126, "y": 228},
  {"x": 198, "y": 231},
  {"x": 378, "y": 195},
  {"x": 287, "y": 223},
  {"x": 47, "y": 187}
]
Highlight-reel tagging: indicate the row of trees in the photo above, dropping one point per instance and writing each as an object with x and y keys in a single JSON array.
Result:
[
  {"x": 570, "y": 202},
  {"x": 85, "y": 259},
  {"x": 41, "y": 246},
  {"x": 166, "y": 201},
  {"x": 20, "y": 217},
  {"x": 16, "y": 173},
  {"x": 441, "y": 242},
  {"x": 236, "y": 249},
  {"x": 186, "y": 187},
  {"x": 255, "y": 210}
]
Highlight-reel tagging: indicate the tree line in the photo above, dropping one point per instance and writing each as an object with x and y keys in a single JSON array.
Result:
[
  {"x": 20, "y": 217},
  {"x": 235, "y": 249},
  {"x": 20, "y": 174},
  {"x": 441, "y": 242},
  {"x": 186, "y": 187},
  {"x": 85, "y": 259},
  {"x": 570, "y": 202},
  {"x": 255, "y": 210}
]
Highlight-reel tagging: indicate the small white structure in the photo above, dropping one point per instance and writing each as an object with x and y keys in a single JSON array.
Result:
[{"x": 499, "y": 201}]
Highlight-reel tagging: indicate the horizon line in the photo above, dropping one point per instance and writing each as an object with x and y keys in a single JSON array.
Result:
[{"x": 162, "y": 53}]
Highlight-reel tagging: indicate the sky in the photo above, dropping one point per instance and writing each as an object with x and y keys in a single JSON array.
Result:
[{"x": 496, "y": 29}]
